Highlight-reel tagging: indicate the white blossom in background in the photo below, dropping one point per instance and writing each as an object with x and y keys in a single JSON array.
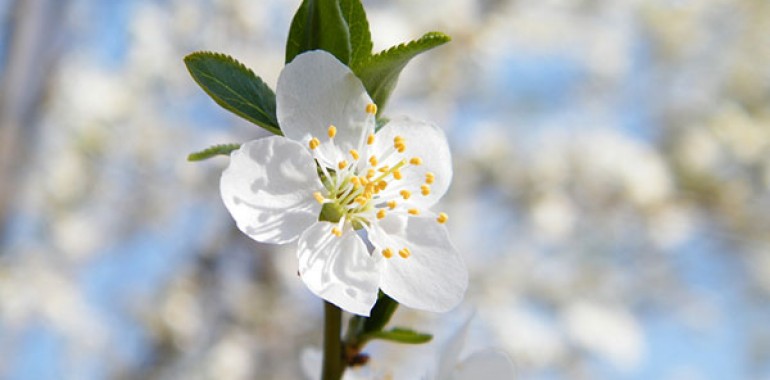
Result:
[
  {"x": 331, "y": 177},
  {"x": 487, "y": 364}
]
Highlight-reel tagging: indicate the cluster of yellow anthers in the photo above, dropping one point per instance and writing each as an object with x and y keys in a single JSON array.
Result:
[{"x": 355, "y": 187}]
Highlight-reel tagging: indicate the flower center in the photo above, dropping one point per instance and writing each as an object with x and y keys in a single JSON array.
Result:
[{"x": 359, "y": 189}]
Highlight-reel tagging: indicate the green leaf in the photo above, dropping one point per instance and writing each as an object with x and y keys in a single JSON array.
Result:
[
  {"x": 358, "y": 26},
  {"x": 319, "y": 24},
  {"x": 380, "y": 72},
  {"x": 216, "y": 150},
  {"x": 401, "y": 335},
  {"x": 234, "y": 87}
]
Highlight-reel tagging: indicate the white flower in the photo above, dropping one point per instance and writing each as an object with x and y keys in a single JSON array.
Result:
[
  {"x": 488, "y": 364},
  {"x": 379, "y": 185}
]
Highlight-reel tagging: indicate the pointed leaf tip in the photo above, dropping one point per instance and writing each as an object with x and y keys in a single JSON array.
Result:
[
  {"x": 216, "y": 150},
  {"x": 235, "y": 87},
  {"x": 380, "y": 72},
  {"x": 401, "y": 335}
]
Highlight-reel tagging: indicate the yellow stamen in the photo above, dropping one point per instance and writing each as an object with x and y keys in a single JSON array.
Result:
[
  {"x": 370, "y": 173},
  {"x": 392, "y": 204},
  {"x": 381, "y": 213},
  {"x": 314, "y": 143},
  {"x": 361, "y": 200},
  {"x": 355, "y": 181},
  {"x": 404, "y": 252},
  {"x": 384, "y": 169},
  {"x": 354, "y": 154},
  {"x": 336, "y": 232},
  {"x": 442, "y": 218},
  {"x": 371, "y": 108},
  {"x": 318, "y": 197},
  {"x": 373, "y": 160},
  {"x": 342, "y": 164},
  {"x": 397, "y": 174},
  {"x": 429, "y": 178},
  {"x": 425, "y": 190},
  {"x": 370, "y": 139},
  {"x": 405, "y": 194},
  {"x": 399, "y": 143},
  {"x": 387, "y": 253},
  {"x": 363, "y": 180},
  {"x": 416, "y": 161},
  {"x": 414, "y": 211},
  {"x": 332, "y": 131},
  {"x": 382, "y": 185}
]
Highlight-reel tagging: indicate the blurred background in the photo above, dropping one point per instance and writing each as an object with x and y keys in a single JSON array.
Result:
[{"x": 612, "y": 167}]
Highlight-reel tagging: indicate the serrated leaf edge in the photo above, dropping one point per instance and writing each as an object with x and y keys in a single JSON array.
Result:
[
  {"x": 425, "y": 39},
  {"x": 272, "y": 128}
]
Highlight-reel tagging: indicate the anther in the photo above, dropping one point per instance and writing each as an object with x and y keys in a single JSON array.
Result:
[
  {"x": 361, "y": 200},
  {"x": 404, "y": 252},
  {"x": 429, "y": 178},
  {"x": 354, "y": 154},
  {"x": 370, "y": 139},
  {"x": 442, "y": 218},
  {"x": 336, "y": 232},
  {"x": 416, "y": 161},
  {"x": 370, "y": 173},
  {"x": 397, "y": 174},
  {"x": 342, "y": 164},
  {"x": 373, "y": 160},
  {"x": 414, "y": 211},
  {"x": 371, "y": 108},
  {"x": 405, "y": 194},
  {"x": 425, "y": 190},
  {"x": 381, "y": 213},
  {"x": 384, "y": 168},
  {"x": 382, "y": 185},
  {"x": 332, "y": 131},
  {"x": 399, "y": 143},
  {"x": 392, "y": 204},
  {"x": 318, "y": 197},
  {"x": 314, "y": 143},
  {"x": 387, "y": 253}
]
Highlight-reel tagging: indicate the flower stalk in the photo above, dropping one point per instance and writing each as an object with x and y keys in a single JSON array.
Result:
[{"x": 333, "y": 367}]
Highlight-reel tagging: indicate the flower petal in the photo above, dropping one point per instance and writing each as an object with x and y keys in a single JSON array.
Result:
[
  {"x": 433, "y": 277},
  {"x": 423, "y": 140},
  {"x": 315, "y": 91},
  {"x": 268, "y": 189},
  {"x": 338, "y": 269},
  {"x": 450, "y": 353}
]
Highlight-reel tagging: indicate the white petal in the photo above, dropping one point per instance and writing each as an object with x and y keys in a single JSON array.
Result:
[
  {"x": 268, "y": 189},
  {"x": 315, "y": 91},
  {"x": 338, "y": 269},
  {"x": 427, "y": 142},
  {"x": 434, "y": 277},
  {"x": 450, "y": 353},
  {"x": 488, "y": 365}
]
